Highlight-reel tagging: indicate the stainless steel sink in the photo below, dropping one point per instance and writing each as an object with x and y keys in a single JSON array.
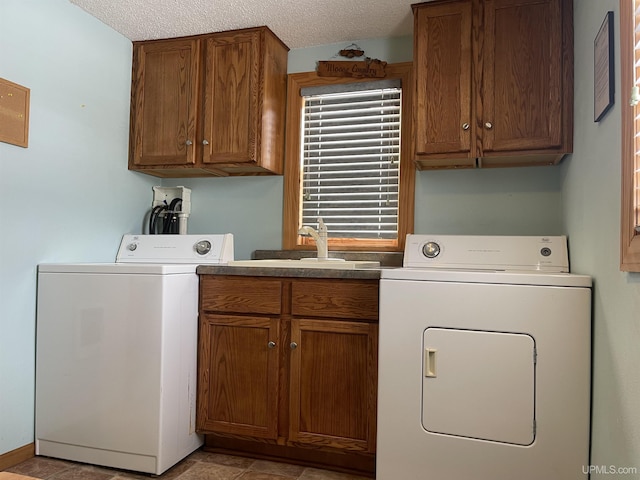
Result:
[{"x": 335, "y": 263}]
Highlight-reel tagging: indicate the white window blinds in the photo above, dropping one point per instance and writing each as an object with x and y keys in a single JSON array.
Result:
[{"x": 350, "y": 159}]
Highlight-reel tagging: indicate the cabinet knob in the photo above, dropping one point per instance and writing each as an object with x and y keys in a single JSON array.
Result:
[
  {"x": 205, "y": 142},
  {"x": 293, "y": 345},
  {"x": 465, "y": 126},
  {"x": 271, "y": 344},
  {"x": 488, "y": 125},
  {"x": 188, "y": 143}
]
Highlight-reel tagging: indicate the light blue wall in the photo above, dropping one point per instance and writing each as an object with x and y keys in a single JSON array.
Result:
[
  {"x": 591, "y": 199},
  {"x": 69, "y": 196},
  {"x": 248, "y": 207},
  {"x": 503, "y": 201}
]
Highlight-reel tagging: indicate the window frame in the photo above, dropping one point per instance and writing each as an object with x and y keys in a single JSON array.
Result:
[
  {"x": 629, "y": 238},
  {"x": 291, "y": 210}
]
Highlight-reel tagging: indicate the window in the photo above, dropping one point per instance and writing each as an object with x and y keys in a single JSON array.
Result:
[
  {"x": 630, "y": 67},
  {"x": 349, "y": 160}
]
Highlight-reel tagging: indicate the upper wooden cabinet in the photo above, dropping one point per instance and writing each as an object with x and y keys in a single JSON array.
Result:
[
  {"x": 211, "y": 105},
  {"x": 494, "y": 82},
  {"x": 164, "y": 103}
]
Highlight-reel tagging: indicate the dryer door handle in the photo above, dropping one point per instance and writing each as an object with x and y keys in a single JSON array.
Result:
[{"x": 430, "y": 362}]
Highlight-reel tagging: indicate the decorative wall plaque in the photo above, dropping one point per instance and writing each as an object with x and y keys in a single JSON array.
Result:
[
  {"x": 14, "y": 113},
  {"x": 362, "y": 69}
]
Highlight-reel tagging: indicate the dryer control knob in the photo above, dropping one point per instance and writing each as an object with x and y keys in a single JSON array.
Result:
[
  {"x": 431, "y": 249},
  {"x": 203, "y": 247},
  {"x": 132, "y": 246}
]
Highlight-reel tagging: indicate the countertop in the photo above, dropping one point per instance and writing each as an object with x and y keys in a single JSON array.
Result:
[
  {"x": 364, "y": 273},
  {"x": 386, "y": 259}
]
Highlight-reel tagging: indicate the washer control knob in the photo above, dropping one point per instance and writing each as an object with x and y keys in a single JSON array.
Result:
[
  {"x": 545, "y": 252},
  {"x": 132, "y": 246},
  {"x": 431, "y": 249},
  {"x": 203, "y": 247}
]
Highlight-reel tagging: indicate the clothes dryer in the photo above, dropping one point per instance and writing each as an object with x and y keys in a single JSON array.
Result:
[{"x": 484, "y": 361}]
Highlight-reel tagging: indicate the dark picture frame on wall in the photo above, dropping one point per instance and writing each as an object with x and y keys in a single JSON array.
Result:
[{"x": 603, "y": 71}]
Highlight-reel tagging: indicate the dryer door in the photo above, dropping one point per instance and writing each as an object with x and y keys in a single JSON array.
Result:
[{"x": 479, "y": 384}]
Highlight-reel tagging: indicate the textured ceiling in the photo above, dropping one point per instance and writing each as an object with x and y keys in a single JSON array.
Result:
[{"x": 298, "y": 23}]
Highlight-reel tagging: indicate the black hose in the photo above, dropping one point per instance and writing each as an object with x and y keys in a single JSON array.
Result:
[
  {"x": 153, "y": 218},
  {"x": 170, "y": 224}
]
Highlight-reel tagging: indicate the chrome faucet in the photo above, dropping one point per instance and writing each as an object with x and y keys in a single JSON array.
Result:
[{"x": 320, "y": 238}]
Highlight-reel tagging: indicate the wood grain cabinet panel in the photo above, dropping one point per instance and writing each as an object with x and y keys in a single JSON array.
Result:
[
  {"x": 522, "y": 76},
  {"x": 494, "y": 82},
  {"x": 209, "y": 105},
  {"x": 240, "y": 295},
  {"x": 287, "y": 368},
  {"x": 231, "y": 98},
  {"x": 443, "y": 65},
  {"x": 343, "y": 299},
  {"x": 238, "y": 359},
  {"x": 164, "y": 103},
  {"x": 333, "y": 384}
]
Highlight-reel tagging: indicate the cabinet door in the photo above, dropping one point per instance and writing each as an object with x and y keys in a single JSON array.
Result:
[
  {"x": 443, "y": 79},
  {"x": 231, "y": 98},
  {"x": 238, "y": 375},
  {"x": 164, "y": 103},
  {"x": 519, "y": 103},
  {"x": 333, "y": 384}
]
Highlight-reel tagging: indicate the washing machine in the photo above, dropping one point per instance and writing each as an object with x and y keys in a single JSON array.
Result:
[
  {"x": 116, "y": 348},
  {"x": 484, "y": 361}
]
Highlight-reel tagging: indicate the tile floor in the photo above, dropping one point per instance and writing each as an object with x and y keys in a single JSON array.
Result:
[{"x": 198, "y": 466}]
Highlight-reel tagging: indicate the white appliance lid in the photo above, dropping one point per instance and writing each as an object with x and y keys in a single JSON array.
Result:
[
  {"x": 118, "y": 268},
  {"x": 181, "y": 249}
]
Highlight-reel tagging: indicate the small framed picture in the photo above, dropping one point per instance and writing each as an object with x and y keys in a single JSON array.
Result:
[{"x": 603, "y": 71}]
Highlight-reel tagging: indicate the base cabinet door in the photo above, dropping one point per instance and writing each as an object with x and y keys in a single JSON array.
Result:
[
  {"x": 238, "y": 375},
  {"x": 333, "y": 384}
]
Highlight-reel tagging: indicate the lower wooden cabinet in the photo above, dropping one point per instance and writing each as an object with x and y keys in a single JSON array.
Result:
[
  {"x": 333, "y": 382},
  {"x": 287, "y": 368},
  {"x": 238, "y": 384}
]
